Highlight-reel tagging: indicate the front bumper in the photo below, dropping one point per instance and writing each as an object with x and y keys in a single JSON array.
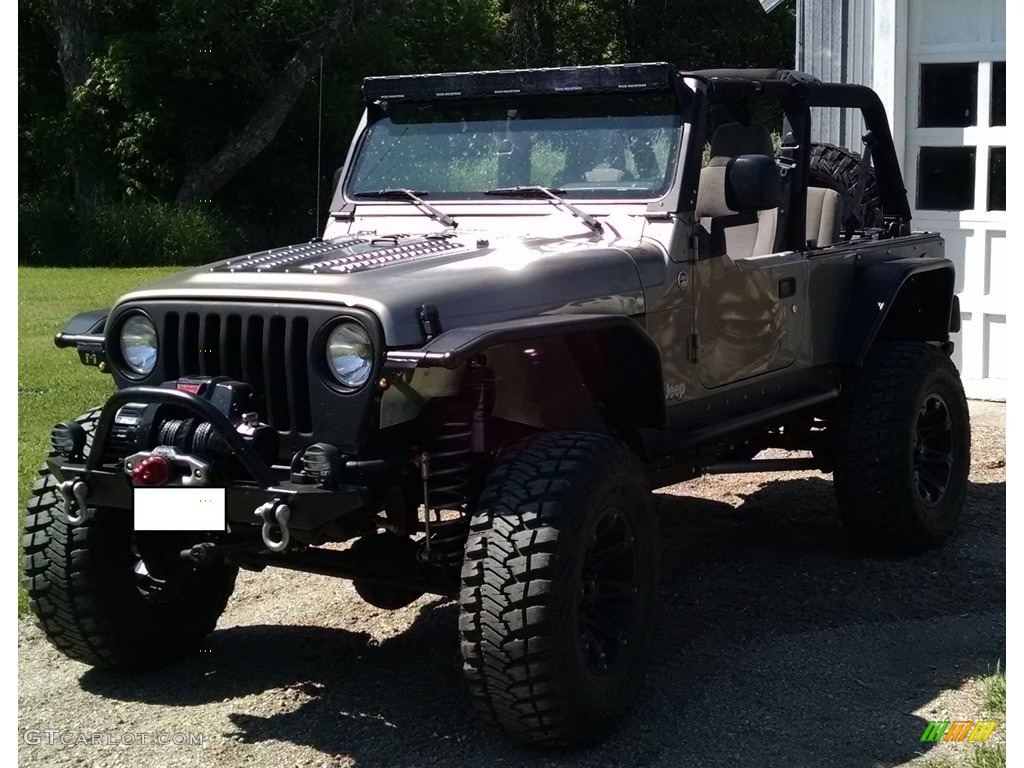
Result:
[{"x": 108, "y": 485}]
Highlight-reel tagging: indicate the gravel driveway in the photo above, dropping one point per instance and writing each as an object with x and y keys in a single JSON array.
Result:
[{"x": 780, "y": 645}]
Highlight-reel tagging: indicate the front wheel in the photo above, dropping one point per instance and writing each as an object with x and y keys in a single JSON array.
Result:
[
  {"x": 110, "y": 597},
  {"x": 559, "y": 588},
  {"x": 903, "y": 449}
]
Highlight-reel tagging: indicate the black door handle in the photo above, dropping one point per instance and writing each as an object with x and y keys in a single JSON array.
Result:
[{"x": 787, "y": 287}]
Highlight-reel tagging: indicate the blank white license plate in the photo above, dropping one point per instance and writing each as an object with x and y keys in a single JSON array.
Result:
[{"x": 179, "y": 509}]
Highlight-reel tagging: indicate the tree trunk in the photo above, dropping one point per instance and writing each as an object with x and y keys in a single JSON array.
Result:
[
  {"x": 77, "y": 40},
  {"x": 270, "y": 116},
  {"x": 530, "y": 35}
]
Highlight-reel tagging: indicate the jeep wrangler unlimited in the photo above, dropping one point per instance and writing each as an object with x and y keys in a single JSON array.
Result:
[{"x": 539, "y": 295}]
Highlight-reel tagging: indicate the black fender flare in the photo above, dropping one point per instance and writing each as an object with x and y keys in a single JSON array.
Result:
[
  {"x": 908, "y": 299},
  {"x": 637, "y": 375}
]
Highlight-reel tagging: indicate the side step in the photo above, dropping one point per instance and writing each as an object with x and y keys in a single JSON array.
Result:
[{"x": 762, "y": 465}]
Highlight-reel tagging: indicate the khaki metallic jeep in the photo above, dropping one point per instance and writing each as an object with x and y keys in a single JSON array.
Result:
[{"x": 539, "y": 295}]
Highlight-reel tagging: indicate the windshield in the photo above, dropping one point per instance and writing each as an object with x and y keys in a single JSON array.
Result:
[{"x": 607, "y": 146}]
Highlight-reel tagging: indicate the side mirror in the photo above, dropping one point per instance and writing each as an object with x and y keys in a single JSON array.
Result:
[{"x": 752, "y": 183}]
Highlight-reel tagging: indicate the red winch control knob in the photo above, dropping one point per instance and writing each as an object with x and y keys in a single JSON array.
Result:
[{"x": 155, "y": 470}]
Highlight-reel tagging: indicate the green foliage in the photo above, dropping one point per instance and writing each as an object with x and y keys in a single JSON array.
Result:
[
  {"x": 47, "y": 231},
  {"x": 129, "y": 233},
  {"x": 147, "y": 233},
  {"x": 172, "y": 82}
]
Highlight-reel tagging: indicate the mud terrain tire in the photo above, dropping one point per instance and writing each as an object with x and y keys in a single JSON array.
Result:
[
  {"x": 903, "y": 450},
  {"x": 559, "y": 588},
  {"x": 97, "y": 598},
  {"x": 838, "y": 169}
]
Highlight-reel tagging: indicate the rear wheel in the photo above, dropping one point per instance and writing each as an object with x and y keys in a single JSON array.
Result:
[
  {"x": 902, "y": 449},
  {"x": 559, "y": 588},
  {"x": 110, "y": 597}
]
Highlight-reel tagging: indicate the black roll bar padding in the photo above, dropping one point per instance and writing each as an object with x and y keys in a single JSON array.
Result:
[
  {"x": 792, "y": 87},
  {"x": 245, "y": 453},
  {"x": 888, "y": 174}
]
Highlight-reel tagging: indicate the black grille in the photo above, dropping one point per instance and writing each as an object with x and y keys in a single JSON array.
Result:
[{"x": 268, "y": 352}]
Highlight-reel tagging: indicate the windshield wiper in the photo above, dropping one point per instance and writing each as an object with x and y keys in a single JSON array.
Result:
[
  {"x": 550, "y": 193},
  {"x": 412, "y": 197}
]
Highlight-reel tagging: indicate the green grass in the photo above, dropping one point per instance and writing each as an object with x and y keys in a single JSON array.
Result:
[
  {"x": 993, "y": 692},
  {"x": 993, "y": 703},
  {"x": 988, "y": 757},
  {"x": 993, "y": 689},
  {"x": 52, "y": 384}
]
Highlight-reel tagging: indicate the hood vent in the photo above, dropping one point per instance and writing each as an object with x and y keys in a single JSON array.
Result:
[{"x": 352, "y": 254}]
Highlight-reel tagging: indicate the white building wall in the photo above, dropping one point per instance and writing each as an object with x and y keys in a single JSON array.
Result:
[
  {"x": 970, "y": 33},
  {"x": 909, "y": 40}
]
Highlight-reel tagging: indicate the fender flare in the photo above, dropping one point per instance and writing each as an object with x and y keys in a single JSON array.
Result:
[
  {"x": 639, "y": 378},
  {"x": 887, "y": 293}
]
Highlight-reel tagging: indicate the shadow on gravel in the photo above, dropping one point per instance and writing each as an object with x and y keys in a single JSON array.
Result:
[{"x": 781, "y": 645}]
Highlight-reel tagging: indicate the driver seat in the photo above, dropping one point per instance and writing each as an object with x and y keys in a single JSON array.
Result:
[{"x": 740, "y": 234}]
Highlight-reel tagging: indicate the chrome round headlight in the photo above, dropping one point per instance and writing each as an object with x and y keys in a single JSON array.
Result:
[
  {"x": 350, "y": 354},
  {"x": 139, "y": 345}
]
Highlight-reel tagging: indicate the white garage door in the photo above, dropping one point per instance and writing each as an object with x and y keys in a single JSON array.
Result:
[{"x": 955, "y": 164}]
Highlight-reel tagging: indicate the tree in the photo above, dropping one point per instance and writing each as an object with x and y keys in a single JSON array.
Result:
[
  {"x": 530, "y": 33},
  {"x": 77, "y": 40},
  {"x": 152, "y": 101},
  {"x": 270, "y": 115}
]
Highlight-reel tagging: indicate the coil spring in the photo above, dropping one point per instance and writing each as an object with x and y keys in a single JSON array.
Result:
[
  {"x": 451, "y": 460},
  {"x": 451, "y": 465},
  {"x": 448, "y": 483}
]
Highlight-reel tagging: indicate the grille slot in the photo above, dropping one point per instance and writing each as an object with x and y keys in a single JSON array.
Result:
[
  {"x": 169, "y": 341},
  {"x": 231, "y": 346},
  {"x": 270, "y": 354},
  {"x": 274, "y": 366},
  {"x": 297, "y": 373},
  {"x": 209, "y": 346},
  {"x": 188, "y": 345}
]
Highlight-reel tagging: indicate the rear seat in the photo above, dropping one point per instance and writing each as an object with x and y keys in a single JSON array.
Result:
[{"x": 822, "y": 228}]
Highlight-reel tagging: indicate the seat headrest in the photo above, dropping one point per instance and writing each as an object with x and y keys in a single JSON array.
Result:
[{"x": 732, "y": 139}]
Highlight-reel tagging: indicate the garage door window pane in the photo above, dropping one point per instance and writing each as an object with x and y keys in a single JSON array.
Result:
[
  {"x": 945, "y": 178},
  {"x": 997, "y": 179},
  {"x": 949, "y": 95},
  {"x": 999, "y": 93}
]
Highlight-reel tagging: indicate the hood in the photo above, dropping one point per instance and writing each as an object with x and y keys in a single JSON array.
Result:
[{"x": 471, "y": 279}]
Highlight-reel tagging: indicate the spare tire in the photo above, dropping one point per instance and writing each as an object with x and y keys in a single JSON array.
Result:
[{"x": 838, "y": 168}]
